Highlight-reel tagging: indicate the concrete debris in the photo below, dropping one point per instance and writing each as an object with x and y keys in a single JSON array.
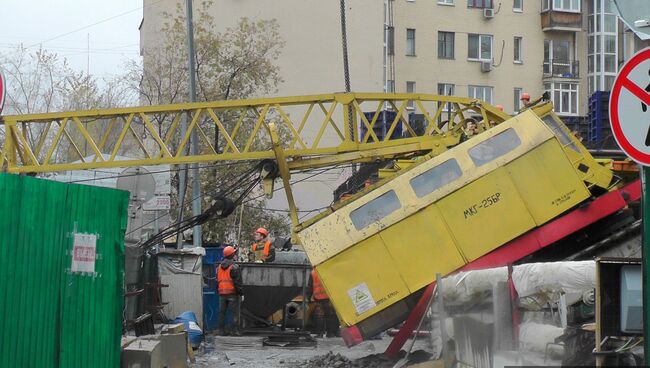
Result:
[{"x": 371, "y": 361}]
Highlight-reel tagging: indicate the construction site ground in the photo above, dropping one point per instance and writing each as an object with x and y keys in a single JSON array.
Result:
[{"x": 248, "y": 352}]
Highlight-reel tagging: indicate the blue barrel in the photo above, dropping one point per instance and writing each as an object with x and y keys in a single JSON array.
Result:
[{"x": 194, "y": 333}]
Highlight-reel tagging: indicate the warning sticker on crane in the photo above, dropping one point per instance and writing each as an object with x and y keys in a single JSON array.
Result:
[{"x": 361, "y": 298}]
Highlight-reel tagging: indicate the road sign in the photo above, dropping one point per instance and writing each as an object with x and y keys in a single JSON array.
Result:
[
  {"x": 3, "y": 90},
  {"x": 629, "y": 108},
  {"x": 629, "y": 116}
]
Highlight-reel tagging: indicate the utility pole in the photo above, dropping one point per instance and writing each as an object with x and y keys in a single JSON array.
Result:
[
  {"x": 194, "y": 146},
  {"x": 346, "y": 72}
]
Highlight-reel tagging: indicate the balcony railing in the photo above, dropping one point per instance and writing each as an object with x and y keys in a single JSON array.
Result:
[{"x": 561, "y": 68}]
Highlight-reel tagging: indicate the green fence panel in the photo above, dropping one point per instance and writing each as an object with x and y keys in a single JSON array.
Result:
[{"x": 62, "y": 300}]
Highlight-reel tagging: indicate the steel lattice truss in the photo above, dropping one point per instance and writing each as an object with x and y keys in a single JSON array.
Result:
[{"x": 312, "y": 131}]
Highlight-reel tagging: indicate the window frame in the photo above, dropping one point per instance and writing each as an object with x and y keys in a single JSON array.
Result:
[
  {"x": 446, "y": 43},
  {"x": 501, "y": 144},
  {"x": 550, "y": 5},
  {"x": 480, "y": 45},
  {"x": 476, "y": 4},
  {"x": 558, "y": 106},
  {"x": 518, "y": 59},
  {"x": 411, "y": 104},
  {"x": 447, "y": 2},
  {"x": 517, "y": 92},
  {"x": 519, "y": 9},
  {"x": 483, "y": 88},
  {"x": 432, "y": 179},
  {"x": 364, "y": 220},
  {"x": 412, "y": 52}
]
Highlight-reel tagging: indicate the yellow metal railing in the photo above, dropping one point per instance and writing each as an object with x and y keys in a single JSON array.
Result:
[{"x": 313, "y": 131}]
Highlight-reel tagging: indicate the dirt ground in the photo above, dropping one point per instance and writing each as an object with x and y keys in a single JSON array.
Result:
[{"x": 248, "y": 352}]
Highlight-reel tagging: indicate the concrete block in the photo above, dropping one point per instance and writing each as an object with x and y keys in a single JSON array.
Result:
[
  {"x": 173, "y": 349},
  {"x": 142, "y": 354}
]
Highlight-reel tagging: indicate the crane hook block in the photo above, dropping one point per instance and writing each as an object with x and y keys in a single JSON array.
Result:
[{"x": 268, "y": 173}]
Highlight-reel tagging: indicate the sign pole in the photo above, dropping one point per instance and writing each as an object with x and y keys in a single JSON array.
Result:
[{"x": 645, "y": 254}]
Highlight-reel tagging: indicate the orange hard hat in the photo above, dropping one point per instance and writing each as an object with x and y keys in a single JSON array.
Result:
[
  {"x": 262, "y": 231},
  {"x": 228, "y": 251},
  {"x": 525, "y": 96},
  {"x": 499, "y": 107}
]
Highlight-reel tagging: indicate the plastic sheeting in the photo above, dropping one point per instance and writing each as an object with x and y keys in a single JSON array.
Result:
[{"x": 539, "y": 281}]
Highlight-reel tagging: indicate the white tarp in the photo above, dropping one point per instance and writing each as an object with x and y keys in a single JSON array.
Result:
[{"x": 543, "y": 281}]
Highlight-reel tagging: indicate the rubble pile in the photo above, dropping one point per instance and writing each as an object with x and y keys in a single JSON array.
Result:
[{"x": 371, "y": 361}]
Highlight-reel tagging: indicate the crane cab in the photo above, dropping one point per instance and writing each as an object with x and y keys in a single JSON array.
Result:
[{"x": 385, "y": 245}]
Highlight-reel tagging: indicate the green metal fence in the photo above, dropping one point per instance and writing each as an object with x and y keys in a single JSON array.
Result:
[{"x": 61, "y": 300}]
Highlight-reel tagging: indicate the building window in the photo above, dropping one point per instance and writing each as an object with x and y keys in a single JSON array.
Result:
[
  {"x": 517, "y": 99},
  {"x": 479, "y": 47},
  {"x": 445, "y": 89},
  {"x": 410, "y": 42},
  {"x": 518, "y": 5},
  {"x": 390, "y": 40},
  {"x": 390, "y": 86},
  {"x": 410, "y": 88},
  {"x": 446, "y": 2},
  {"x": 445, "y": 45},
  {"x": 480, "y": 92},
  {"x": 517, "y": 50},
  {"x": 557, "y": 59},
  {"x": 479, "y": 4},
  {"x": 561, "y": 5},
  {"x": 564, "y": 97}
]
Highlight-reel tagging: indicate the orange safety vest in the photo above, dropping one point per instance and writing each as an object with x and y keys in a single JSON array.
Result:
[
  {"x": 225, "y": 281},
  {"x": 265, "y": 251},
  {"x": 319, "y": 292}
]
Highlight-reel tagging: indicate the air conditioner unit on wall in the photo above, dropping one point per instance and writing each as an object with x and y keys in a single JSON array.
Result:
[
  {"x": 486, "y": 66},
  {"x": 488, "y": 13}
]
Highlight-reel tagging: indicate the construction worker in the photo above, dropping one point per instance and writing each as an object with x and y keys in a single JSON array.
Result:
[
  {"x": 230, "y": 290},
  {"x": 324, "y": 317},
  {"x": 525, "y": 100},
  {"x": 262, "y": 250}
]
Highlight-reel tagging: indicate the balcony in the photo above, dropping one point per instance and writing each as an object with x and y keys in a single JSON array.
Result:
[
  {"x": 557, "y": 20},
  {"x": 558, "y": 68}
]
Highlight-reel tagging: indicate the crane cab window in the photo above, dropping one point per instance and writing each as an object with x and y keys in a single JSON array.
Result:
[
  {"x": 494, "y": 147},
  {"x": 436, "y": 177},
  {"x": 560, "y": 133},
  {"x": 375, "y": 210}
]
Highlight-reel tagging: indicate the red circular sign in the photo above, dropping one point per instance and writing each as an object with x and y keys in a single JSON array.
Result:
[{"x": 621, "y": 83}]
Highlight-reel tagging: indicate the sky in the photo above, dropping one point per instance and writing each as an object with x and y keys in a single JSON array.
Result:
[{"x": 98, "y": 36}]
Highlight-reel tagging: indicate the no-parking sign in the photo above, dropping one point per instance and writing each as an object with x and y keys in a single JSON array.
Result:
[{"x": 629, "y": 108}]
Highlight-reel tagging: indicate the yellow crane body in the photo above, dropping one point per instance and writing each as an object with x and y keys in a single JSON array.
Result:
[
  {"x": 452, "y": 201},
  {"x": 438, "y": 215}
]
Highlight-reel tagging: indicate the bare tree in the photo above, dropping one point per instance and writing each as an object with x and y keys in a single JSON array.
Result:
[{"x": 237, "y": 63}]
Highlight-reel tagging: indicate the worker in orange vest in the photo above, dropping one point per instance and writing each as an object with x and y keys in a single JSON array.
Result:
[
  {"x": 324, "y": 315},
  {"x": 262, "y": 250},
  {"x": 230, "y": 290}
]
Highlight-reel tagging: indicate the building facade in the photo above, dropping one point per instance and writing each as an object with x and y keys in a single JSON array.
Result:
[{"x": 487, "y": 49}]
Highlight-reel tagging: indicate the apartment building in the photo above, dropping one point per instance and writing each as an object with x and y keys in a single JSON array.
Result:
[{"x": 493, "y": 50}]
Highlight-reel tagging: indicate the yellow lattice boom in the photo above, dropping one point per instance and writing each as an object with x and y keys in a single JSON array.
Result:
[{"x": 314, "y": 131}]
